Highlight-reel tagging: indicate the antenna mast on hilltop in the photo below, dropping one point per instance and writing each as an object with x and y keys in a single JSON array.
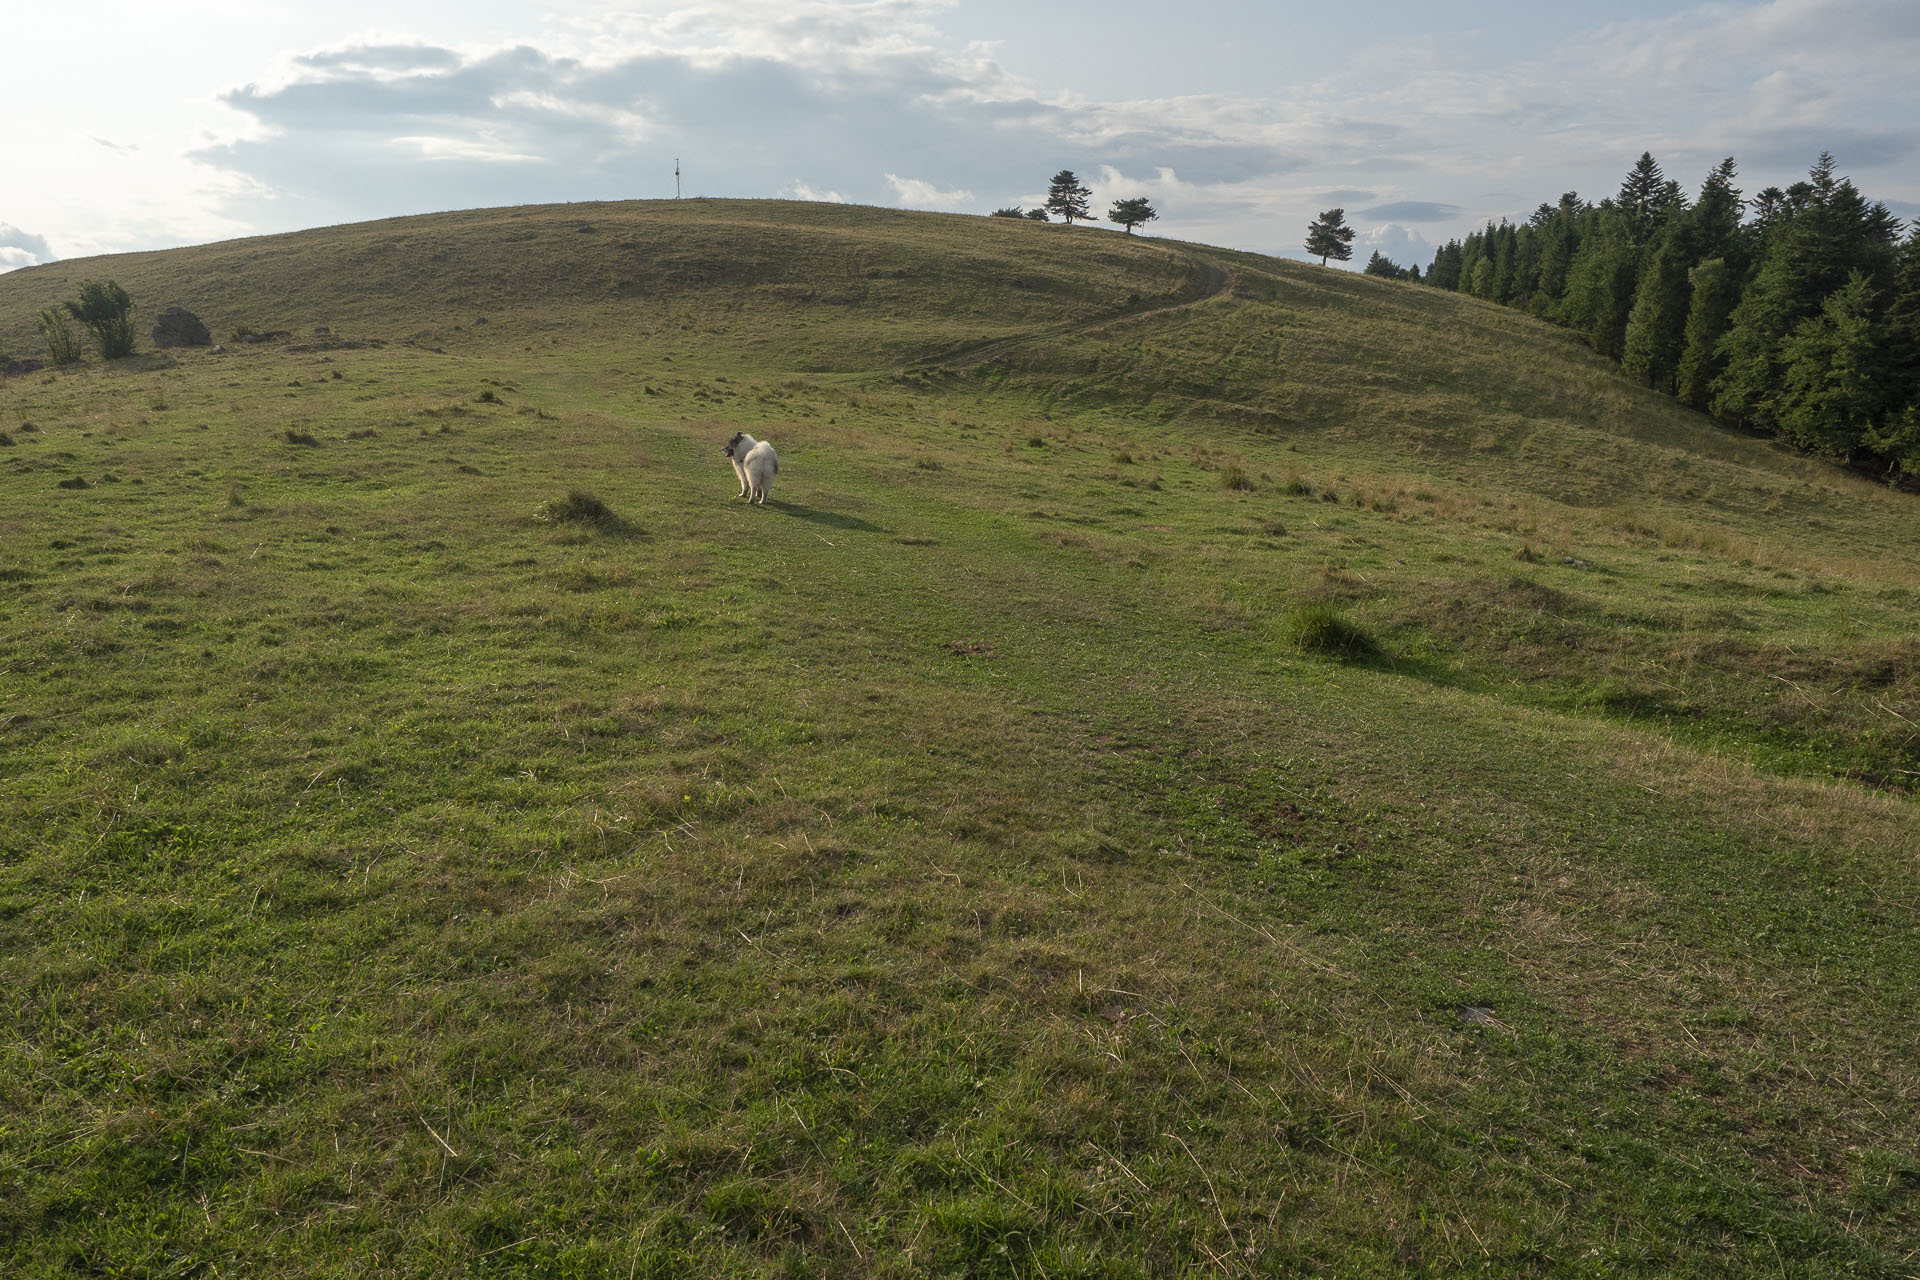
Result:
[{"x": 676, "y": 177}]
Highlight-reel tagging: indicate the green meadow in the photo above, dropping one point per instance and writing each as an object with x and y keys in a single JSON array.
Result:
[{"x": 1205, "y": 765}]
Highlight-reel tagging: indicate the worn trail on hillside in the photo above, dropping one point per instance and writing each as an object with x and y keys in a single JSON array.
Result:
[{"x": 1205, "y": 281}]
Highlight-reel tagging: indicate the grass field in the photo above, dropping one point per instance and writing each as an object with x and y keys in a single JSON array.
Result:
[{"x": 1205, "y": 766}]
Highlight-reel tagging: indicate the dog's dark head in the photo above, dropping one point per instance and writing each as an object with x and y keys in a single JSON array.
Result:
[{"x": 734, "y": 443}]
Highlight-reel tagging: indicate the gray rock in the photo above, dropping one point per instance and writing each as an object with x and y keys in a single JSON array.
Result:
[{"x": 178, "y": 327}]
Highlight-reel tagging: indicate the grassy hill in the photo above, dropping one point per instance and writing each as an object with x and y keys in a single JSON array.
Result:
[{"x": 1206, "y": 765}]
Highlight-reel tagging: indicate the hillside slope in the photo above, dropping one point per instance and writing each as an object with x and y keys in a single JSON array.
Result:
[{"x": 974, "y": 862}]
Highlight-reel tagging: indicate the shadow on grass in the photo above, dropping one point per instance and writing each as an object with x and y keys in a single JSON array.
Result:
[{"x": 832, "y": 519}]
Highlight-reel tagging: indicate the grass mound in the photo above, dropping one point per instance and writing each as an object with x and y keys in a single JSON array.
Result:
[
  {"x": 1322, "y": 629},
  {"x": 581, "y": 507}
]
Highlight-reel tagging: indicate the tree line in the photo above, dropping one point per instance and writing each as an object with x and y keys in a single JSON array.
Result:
[{"x": 1795, "y": 314}]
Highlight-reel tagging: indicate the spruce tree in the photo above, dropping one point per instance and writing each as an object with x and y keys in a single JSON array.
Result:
[
  {"x": 1329, "y": 236},
  {"x": 1640, "y": 197},
  {"x": 1505, "y": 247},
  {"x": 1743, "y": 392},
  {"x": 1381, "y": 265},
  {"x": 1903, "y": 325},
  {"x": 1715, "y": 221},
  {"x": 1526, "y": 265},
  {"x": 1472, "y": 252},
  {"x": 1818, "y": 234},
  {"x": 1715, "y": 289},
  {"x": 1559, "y": 241},
  {"x": 1066, "y": 197},
  {"x": 1479, "y": 279},
  {"x": 1830, "y": 383},
  {"x": 1897, "y": 438},
  {"x": 1600, "y": 281},
  {"x": 1656, "y": 327}
]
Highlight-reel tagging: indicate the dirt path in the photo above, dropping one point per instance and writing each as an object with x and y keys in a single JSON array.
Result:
[{"x": 1204, "y": 280}]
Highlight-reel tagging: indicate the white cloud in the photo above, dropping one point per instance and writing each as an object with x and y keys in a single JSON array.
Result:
[
  {"x": 22, "y": 248},
  {"x": 1400, "y": 245},
  {"x": 804, "y": 191},
  {"x": 913, "y": 193},
  {"x": 482, "y": 149}
]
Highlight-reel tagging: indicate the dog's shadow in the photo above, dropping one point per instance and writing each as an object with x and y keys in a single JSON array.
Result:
[{"x": 832, "y": 519}]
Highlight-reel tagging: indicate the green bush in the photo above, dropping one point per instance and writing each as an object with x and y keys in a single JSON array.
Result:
[
  {"x": 107, "y": 312},
  {"x": 62, "y": 339}
]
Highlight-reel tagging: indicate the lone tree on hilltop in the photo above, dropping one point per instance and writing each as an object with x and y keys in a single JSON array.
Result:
[
  {"x": 1066, "y": 197},
  {"x": 1132, "y": 213},
  {"x": 107, "y": 312},
  {"x": 1330, "y": 236}
]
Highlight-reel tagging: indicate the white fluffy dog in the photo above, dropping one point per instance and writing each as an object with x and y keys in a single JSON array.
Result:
[{"x": 755, "y": 462}]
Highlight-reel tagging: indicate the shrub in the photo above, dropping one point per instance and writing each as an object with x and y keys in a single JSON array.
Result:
[
  {"x": 299, "y": 437},
  {"x": 63, "y": 340},
  {"x": 1320, "y": 628},
  {"x": 107, "y": 312},
  {"x": 1233, "y": 477}
]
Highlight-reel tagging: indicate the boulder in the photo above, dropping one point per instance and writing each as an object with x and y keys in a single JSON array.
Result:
[{"x": 178, "y": 327}]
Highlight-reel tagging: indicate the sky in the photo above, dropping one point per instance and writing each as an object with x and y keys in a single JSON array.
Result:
[{"x": 142, "y": 125}]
